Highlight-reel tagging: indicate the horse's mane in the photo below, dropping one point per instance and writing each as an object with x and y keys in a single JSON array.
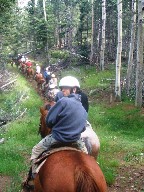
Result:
[{"x": 43, "y": 129}]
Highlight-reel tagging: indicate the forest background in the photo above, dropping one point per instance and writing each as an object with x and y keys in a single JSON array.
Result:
[
  {"x": 99, "y": 31},
  {"x": 98, "y": 35}
]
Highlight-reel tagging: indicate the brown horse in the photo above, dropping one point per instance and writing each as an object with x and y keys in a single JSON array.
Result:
[
  {"x": 43, "y": 130},
  {"x": 23, "y": 68},
  {"x": 68, "y": 170},
  {"x": 40, "y": 80},
  {"x": 29, "y": 72}
]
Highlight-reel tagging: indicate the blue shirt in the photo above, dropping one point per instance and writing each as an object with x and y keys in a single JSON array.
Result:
[
  {"x": 45, "y": 74},
  {"x": 67, "y": 119}
]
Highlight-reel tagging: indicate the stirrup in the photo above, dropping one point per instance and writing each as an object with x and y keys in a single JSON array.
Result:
[{"x": 27, "y": 186}]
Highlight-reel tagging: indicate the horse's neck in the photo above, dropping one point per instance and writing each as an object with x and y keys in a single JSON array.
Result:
[{"x": 48, "y": 105}]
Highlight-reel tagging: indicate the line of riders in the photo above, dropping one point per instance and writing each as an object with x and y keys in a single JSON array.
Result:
[
  {"x": 46, "y": 80},
  {"x": 67, "y": 119}
]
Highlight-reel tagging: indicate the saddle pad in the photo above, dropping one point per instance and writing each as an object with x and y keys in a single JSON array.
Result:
[
  {"x": 40, "y": 161},
  {"x": 45, "y": 154}
]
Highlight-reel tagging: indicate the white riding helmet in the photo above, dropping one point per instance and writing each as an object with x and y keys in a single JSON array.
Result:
[
  {"x": 69, "y": 81},
  {"x": 53, "y": 75},
  {"x": 51, "y": 86}
]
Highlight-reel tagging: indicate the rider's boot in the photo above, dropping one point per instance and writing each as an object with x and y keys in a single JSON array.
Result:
[{"x": 28, "y": 185}]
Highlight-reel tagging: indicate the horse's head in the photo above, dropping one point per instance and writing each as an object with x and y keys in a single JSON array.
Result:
[{"x": 43, "y": 129}]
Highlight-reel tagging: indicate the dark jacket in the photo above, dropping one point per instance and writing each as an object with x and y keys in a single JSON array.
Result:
[
  {"x": 58, "y": 96},
  {"x": 84, "y": 99},
  {"x": 67, "y": 119}
]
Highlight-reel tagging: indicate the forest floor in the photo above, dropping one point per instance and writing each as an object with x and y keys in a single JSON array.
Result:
[{"x": 129, "y": 178}]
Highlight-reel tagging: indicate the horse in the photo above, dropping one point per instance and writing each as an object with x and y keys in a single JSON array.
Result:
[
  {"x": 69, "y": 170},
  {"x": 40, "y": 80},
  {"x": 43, "y": 129},
  {"x": 29, "y": 72},
  {"x": 22, "y": 68},
  {"x": 15, "y": 61}
]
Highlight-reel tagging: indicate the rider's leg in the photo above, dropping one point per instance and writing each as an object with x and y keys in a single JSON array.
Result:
[
  {"x": 42, "y": 146},
  {"x": 82, "y": 145},
  {"x": 39, "y": 148}
]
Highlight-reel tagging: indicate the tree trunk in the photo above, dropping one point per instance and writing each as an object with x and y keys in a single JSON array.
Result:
[
  {"x": 92, "y": 54},
  {"x": 130, "y": 60},
  {"x": 47, "y": 47},
  {"x": 103, "y": 35},
  {"x": 139, "y": 70},
  {"x": 34, "y": 35},
  {"x": 119, "y": 50}
]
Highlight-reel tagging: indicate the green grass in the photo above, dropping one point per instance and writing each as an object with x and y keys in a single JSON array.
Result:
[
  {"x": 118, "y": 126},
  {"x": 20, "y": 135}
]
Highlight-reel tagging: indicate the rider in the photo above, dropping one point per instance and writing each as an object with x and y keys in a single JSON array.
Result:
[
  {"x": 23, "y": 59},
  {"x": 84, "y": 98},
  {"x": 67, "y": 121},
  {"x": 53, "y": 90},
  {"x": 47, "y": 77},
  {"x": 89, "y": 136},
  {"x": 53, "y": 80},
  {"x": 29, "y": 64},
  {"x": 38, "y": 69}
]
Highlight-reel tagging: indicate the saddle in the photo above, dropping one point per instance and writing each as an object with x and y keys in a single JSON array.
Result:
[{"x": 46, "y": 154}]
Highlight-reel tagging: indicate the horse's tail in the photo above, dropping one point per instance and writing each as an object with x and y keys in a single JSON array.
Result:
[{"x": 85, "y": 181}]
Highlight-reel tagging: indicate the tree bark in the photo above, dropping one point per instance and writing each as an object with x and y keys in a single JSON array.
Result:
[
  {"x": 103, "y": 35},
  {"x": 47, "y": 47},
  {"x": 92, "y": 36},
  {"x": 119, "y": 50},
  {"x": 139, "y": 70},
  {"x": 132, "y": 41}
]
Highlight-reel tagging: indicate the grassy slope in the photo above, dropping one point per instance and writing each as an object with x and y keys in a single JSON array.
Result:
[
  {"x": 119, "y": 127},
  {"x": 21, "y": 135}
]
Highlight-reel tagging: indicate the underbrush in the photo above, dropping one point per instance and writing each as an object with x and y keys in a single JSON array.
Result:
[{"x": 118, "y": 126}]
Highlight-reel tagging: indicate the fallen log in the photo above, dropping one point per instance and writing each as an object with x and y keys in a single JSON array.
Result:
[{"x": 7, "y": 84}]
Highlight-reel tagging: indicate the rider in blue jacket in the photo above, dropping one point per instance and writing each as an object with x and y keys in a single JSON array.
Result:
[{"x": 67, "y": 120}]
